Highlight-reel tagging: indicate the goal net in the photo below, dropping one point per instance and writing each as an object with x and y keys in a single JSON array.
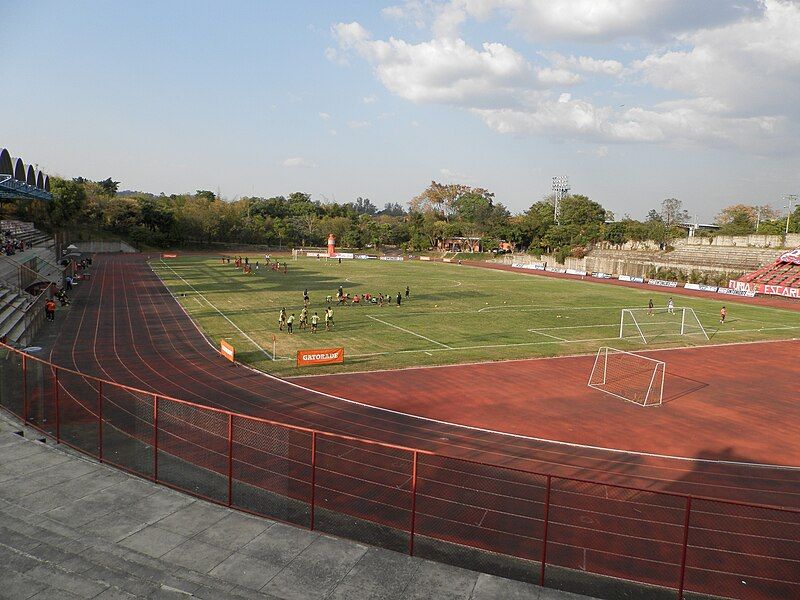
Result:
[
  {"x": 651, "y": 324},
  {"x": 629, "y": 376}
]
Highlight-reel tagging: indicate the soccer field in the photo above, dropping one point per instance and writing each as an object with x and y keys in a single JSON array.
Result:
[{"x": 455, "y": 314}]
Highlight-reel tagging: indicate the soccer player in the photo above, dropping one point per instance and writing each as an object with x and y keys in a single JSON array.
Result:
[
  {"x": 399, "y": 298},
  {"x": 671, "y": 307},
  {"x": 723, "y": 313},
  {"x": 328, "y": 319},
  {"x": 303, "y": 318},
  {"x": 408, "y": 291},
  {"x": 289, "y": 323},
  {"x": 314, "y": 322},
  {"x": 650, "y": 307},
  {"x": 281, "y": 319}
]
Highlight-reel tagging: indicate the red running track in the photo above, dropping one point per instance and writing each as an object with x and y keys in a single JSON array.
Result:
[{"x": 125, "y": 326}]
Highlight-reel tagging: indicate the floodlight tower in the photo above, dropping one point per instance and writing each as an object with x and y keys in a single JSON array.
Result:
[
  {"x": 560, "y": 191},
  {"x": 791, "y": 200}
]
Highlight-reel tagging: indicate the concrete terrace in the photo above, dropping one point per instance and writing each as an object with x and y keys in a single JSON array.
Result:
[{"x": 73, "y": 528}]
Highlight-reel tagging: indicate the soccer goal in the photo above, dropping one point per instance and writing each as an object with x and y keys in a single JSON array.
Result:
[
  {"x": 629, "y": 376},
  {"x": 649, "y": 324}
]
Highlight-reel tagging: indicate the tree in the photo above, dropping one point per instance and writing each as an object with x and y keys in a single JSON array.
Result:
[
  {"x": 364, "y": 206},
  {"x": 109, "y": 187},
  {"x": 442, "y": 198},
  {"x": 68, "y": 200},
  {"x": 737, "y": 219},
  {"x": 207, "y": 195},
  {"x": 672, "y": 212},
  {"x": 393, "y": 209}
]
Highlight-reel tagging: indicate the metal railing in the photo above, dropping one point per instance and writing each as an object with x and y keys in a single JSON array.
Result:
[{"x": 568, "y": 533}]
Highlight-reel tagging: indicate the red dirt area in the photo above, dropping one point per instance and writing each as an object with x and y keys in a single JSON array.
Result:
[{"x": 731, "y": 399}]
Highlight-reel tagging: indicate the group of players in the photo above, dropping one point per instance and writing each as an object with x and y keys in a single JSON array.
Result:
[{"x": 342, "y": 298}]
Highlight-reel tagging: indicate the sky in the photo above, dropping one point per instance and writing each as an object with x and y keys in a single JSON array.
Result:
[{"x": 634, "y": 100}]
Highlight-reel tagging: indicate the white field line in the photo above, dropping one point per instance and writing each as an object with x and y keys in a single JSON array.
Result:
[
  {"x": 252, "y": 341},
  {"x": 410, "y": 332},
  {"x": 555, "y": 337}
]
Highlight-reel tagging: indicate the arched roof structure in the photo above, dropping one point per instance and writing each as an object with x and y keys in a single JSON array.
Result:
[
  {"x": 6, "y": 168},
  {"x": 19, "y": 171},
  {"x": 18, "y": 181}
]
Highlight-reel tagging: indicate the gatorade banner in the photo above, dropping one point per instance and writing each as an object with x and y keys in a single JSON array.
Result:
[
  {"x": 227, "y": 350},
  {"x": 323, "y": 356}
]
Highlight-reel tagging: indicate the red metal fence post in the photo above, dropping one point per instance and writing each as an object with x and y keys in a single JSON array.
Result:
[
  {"x": 413, "y": 504},
  {"x": 313, "y": 475},
  {"x": 230, "y": 459},
  {"x": 100, "y": 420},
  {"x": 24, "y": 389},
  {"x": 685, "y": 546},
  {"x": 58, "y": 407},
  {"x": 546, "y": 524},
  {"x": 155, "y": 437}
]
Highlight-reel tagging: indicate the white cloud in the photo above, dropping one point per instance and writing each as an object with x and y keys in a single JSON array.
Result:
[
  {"x": 298, "y": 162},
  {"x": 336, "y": 57},
  {"x": 370, "y": 99},
  {"x": 751, "y": 66},
  {"x": 324, "y": 116},
  {"x": 448, "y": 71},
  {"x": 738, "y": 82},
  {"x": 602, "y": 20},
  {"x": 358, "y": 124},
  {"x": 585, "y": 64}
]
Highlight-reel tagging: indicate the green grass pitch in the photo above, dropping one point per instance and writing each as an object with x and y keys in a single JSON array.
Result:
[{"x": 455, "y": 314}]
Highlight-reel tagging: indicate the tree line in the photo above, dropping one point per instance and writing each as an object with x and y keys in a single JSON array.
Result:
[{"x": 440, "y": 211}]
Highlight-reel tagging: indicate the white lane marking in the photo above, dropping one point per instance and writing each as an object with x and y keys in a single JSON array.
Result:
[
  {"x": 252, "y": 341},
  {"x": 555, "y": 337},
  {"x": 410, "y": 332}
]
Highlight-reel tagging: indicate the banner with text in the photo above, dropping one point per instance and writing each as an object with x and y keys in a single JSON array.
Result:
[
  {"x": 323, "y": 356},
  {"x": 227, "y": 350}
]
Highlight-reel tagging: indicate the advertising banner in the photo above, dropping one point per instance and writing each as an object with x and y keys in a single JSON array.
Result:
[
  {"x": 321, "y": 356},
  {"x": 662, "y": 283},
  {"x": 227, "y": 350}
]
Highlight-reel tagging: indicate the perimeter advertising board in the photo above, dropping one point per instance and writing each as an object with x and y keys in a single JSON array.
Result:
[
  {"x": 320, "y": 356},
  {"x": 227, "y": 350}
]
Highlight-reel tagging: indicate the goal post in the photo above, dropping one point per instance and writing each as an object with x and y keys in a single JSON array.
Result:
[
  {"x": 649, "y": 324},
  {"x": 629, "y": 376}
]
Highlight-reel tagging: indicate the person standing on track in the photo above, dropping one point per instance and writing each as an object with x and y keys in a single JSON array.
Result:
[{"x": 50, "y": 310}]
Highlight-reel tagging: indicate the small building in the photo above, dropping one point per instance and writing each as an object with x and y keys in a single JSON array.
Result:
[{"x": 460, "y": 244}]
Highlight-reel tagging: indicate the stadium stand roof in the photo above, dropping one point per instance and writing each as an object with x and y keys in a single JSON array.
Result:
[{"x": 18, "y": 182}]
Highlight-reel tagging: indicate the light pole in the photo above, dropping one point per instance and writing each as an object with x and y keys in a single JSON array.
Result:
[
  {"x": 560, "y": 190},
  {"x": 790, "y": 202}
]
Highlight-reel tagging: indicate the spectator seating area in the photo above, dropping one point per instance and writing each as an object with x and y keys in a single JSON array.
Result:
[
  {"x": 28, "y": 268},
  {"x": 780, "y": 272}
]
